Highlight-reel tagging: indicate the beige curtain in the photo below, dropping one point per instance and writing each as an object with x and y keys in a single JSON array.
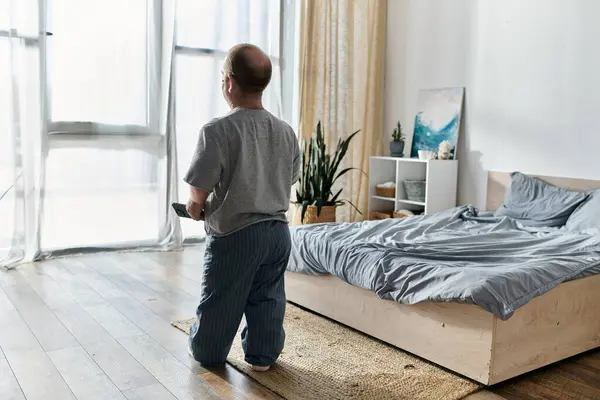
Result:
[{"x": 341, "y": 83}]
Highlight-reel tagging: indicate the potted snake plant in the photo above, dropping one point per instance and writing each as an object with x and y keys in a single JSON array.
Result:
[
  {"x": 397, "y": 143},
  {"x": 315, "y": 200}
]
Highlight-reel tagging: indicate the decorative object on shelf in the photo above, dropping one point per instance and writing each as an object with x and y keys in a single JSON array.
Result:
[
  {"x": 314, "y": 197},
  {"x": 438, "y": 119},
  {"x": 402, "y": 213},
  {"x": 387, "y": 189},
  {"x": 415, "y": 190},
  {"x": 397, "y": 143},
  {"x": 445, "y": 150},
  {"x": 377, "y": 215},
  {"x": 426, "y": 155}
]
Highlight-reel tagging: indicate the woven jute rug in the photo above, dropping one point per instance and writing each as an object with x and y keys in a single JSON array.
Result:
[{"x": 325, "y": 360}]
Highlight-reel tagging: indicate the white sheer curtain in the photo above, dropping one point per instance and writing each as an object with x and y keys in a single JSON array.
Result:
[
  {"x": 88, "y": 126},
  {"x": 106, "y": 180},
  {"x": 20, "y": 127}
]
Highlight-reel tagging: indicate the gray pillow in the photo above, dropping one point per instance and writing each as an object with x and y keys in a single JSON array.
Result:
[
  {"x": 587, "y": 216},
  {"x": 536, "y": 203}
]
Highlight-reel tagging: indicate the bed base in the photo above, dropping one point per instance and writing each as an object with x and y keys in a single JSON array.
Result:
[{"x": 462, "y": 337}]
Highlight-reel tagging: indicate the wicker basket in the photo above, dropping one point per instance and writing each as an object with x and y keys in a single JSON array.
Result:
[
  {"x": 385, "y": 191},
  {"x": 415, "y": 190},
  {"x": 376, "y": 215},
  {"x": 310, "y": 217}
]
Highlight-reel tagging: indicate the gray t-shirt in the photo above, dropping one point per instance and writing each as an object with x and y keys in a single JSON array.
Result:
[{"x": 248, "y": 161}]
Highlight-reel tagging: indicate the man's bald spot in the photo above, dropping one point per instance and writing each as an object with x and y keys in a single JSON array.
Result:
[{"x": 250, "y": 67}]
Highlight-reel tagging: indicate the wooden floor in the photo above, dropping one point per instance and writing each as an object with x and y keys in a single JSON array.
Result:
[{"x": 97, "y": 327}]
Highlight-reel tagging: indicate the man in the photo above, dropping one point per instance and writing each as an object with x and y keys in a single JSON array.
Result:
[{"x": 241, "y": 176}]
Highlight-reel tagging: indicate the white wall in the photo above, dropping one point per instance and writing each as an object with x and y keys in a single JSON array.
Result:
[{"x": 531, "y": 69}]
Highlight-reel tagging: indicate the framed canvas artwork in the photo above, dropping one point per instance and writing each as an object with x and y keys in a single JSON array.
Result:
[{"x": 438, "y": 119}]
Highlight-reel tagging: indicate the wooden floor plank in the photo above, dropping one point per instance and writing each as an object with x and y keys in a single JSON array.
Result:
[
  {"x": 484, "y": 395},
  {"x": 81, "y": 272},
  {"x": 94, "y": 304},
  {"x": 169, "y": 371},
  {"x": 81, "y": 325},
  {"x": 70, "y": 283},
  {"x": 191, "y": 256},
  {"x": 46, "y": 327},
  {"x": 32, "y": 368},
  {"x": 158, "y": 329},
  {"x": 152, "y": 392},
  {"x": 46, "y": 288},
  {"x": 59, "y": 290},
  {"x": 96, "y": 338},
  {"x": 87, "y": 381},
  {"x": 152, "y": 324},
  {"x": 97, "y": 333},
  {"x": 569, "y": 379},
  {"x": 113, "y": 321},
  {"x": 120, "y": 366},
  {"x": 15, "y": 334},
  {"x": 9, "y": 387},
  {"x": 590, "y": 359},
  {"x": 163, "y": 281},
  {"x": 114, "y": 285},
  {"x": 138, "y": 290},
  {"x": 580, "y": 373},
  {"x": 191, "y": 270},
  {"x": 38, "y": 377},
  {"x": 527, "y": 390},
  {"x": 113, "y": 359},
  {"x": 5, "y": 303},
  {"x": 241, "y": 382},
  {"x": 183, "y": 277}
]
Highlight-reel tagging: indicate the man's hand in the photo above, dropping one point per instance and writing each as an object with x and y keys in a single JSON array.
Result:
[{"x": 195, "y": 210}]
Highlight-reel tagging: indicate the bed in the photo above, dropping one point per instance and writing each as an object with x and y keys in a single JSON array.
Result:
[{"x": 484, "y": 342}]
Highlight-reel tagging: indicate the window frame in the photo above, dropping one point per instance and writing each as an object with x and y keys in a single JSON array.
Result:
[{"x": 96, "y": 129}]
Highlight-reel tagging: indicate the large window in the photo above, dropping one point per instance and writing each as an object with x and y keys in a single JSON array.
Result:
[
  {"x": 104, "y": 167},
  {"x": 98, "y": 61}
]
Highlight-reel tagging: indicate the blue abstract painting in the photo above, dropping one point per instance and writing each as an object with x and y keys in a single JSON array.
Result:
[{"x": 438, "y": 119}]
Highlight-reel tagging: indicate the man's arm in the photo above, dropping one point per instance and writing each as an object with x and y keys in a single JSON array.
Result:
[
  {"x": 195, "y": 205},
  {"x": 204, "y": 172},
  {"x": 296, "y": 167}
]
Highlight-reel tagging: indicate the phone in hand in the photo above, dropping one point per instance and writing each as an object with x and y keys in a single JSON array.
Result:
[{"x": 181, "y": 210}]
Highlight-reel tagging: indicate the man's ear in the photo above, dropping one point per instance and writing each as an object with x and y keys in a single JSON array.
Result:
[{"x": 229, "y": 84}]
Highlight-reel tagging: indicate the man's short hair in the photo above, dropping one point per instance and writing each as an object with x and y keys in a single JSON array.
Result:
[{"x": 241, "y": 64}]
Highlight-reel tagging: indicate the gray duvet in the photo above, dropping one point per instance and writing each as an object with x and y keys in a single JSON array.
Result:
[{"x": 455, "y": 255}]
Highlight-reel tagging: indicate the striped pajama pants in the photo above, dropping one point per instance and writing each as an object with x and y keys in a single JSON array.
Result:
[{"x": 243, "y": 275}]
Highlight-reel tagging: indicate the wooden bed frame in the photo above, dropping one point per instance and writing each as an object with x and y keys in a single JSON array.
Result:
[{"x": 462, "y": 337}]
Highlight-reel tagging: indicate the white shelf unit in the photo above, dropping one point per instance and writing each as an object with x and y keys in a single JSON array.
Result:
[{"x": 440, "y": 178}]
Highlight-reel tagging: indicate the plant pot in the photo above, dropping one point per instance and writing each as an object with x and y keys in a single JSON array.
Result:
[
  {"x": 310, "y": 217},
  {"x": 397, "y": 149}
]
